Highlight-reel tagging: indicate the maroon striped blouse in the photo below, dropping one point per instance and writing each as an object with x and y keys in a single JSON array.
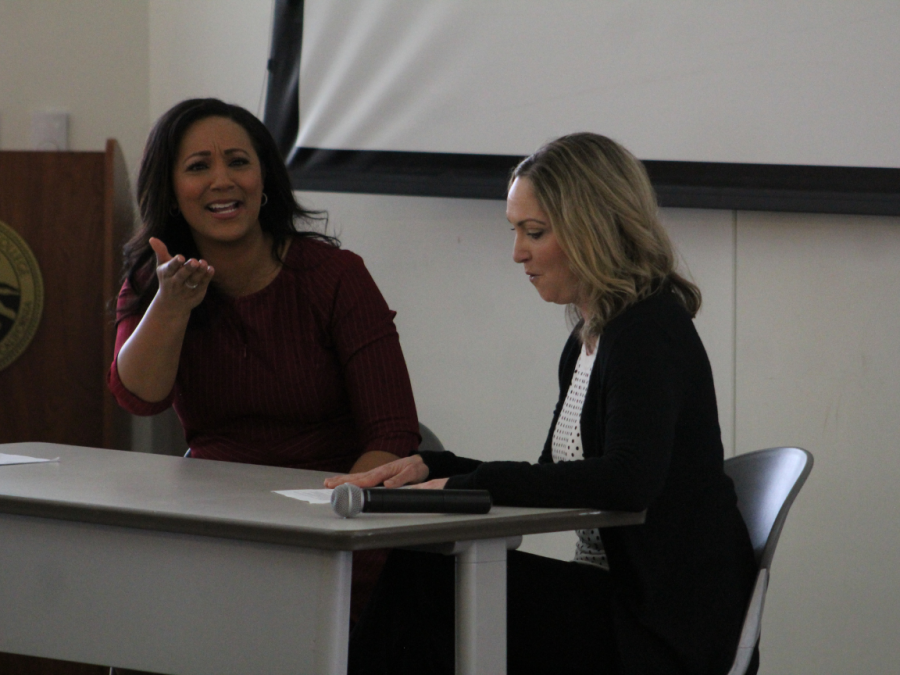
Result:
[{"x": 306, "y": 373}]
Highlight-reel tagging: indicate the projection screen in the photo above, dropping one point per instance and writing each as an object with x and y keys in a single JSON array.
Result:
[{"x": 787, "y": 106}]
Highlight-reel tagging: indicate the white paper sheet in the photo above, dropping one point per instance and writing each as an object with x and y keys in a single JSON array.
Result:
[
  {"x": 312, "y": 496},
  {"x": 22, "y": 459}
]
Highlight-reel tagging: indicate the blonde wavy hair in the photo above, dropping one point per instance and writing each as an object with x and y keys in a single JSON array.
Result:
[{"x": 603, "y": 211}]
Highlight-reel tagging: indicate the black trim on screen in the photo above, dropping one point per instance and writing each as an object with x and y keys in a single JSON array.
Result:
[
  {"x": 423, "y": 174},
  {"x": 707, "y": 185},
  {"x": 282, "y": 112}
]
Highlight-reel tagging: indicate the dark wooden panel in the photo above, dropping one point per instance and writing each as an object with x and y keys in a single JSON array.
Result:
[
  {"x": 73, "y": 209},
  {"x": 55, "y": 202}
]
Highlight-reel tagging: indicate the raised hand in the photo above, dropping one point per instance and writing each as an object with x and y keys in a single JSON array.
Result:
[
  {"x": 148, "y": 361},
  {"x": 181, "y": 281},
  {"x": 393, "y": 474}
]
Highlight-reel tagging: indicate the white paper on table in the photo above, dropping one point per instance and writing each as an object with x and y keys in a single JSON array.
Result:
[
  {"x": 22, "y": 459},
  {"x": 312, "y": 496}
]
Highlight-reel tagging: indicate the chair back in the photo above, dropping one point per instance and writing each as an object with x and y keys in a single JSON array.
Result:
[
  {"x": 430, "y": 441},
  {"x": 766, "y": 482}
]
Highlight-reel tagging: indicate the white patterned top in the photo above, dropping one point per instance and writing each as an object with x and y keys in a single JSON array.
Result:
[{"x": 567, "y": 446}]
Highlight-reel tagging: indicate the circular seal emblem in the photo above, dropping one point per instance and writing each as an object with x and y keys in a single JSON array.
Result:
[{"x": 21, "y": 295}]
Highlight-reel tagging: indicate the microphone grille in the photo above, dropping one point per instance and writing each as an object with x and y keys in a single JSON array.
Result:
[{"x": 347, "y": 500}]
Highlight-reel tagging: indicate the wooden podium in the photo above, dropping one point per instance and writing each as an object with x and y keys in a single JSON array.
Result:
[{"x": 74, "y": 211}]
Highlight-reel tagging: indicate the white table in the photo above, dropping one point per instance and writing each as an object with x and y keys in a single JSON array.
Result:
[{"x": 196, "y": 567}]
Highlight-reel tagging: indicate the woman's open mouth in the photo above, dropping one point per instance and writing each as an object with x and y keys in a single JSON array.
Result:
[{"x": 223, "y": 208}]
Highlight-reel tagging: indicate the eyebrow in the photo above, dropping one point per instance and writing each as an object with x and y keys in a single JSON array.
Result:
[
  {"x": 528, "y": 220},
  {"x": 208, "y": 153}
]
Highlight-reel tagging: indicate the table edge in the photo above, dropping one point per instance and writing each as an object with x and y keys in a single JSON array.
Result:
[{"x": 553, "y": 520}]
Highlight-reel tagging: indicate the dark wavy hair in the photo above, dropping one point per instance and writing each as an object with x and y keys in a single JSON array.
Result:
[{"x": 160, "y": 216}]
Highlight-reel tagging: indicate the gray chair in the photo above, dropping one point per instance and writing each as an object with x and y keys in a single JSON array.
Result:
[
  {"x": 430, "y": 441},
  {"x": 766, "y": 482}
]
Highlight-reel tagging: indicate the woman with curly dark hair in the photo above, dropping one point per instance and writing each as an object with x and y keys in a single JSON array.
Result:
[{"x": 273, "y": 345}]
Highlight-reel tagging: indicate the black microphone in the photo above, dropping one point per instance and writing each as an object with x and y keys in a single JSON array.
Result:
[{"x": 350, "y": 500}]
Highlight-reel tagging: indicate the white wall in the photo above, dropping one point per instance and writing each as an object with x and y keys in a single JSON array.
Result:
[
  {"x": 818, "y": 365},
  {"x": 215, "y": 48},
  {"x": 88, "y": 58},
  {"x": 800, "y": 317}
]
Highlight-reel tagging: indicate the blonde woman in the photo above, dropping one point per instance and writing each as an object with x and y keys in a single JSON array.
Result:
[{"x": 635, "y": 428}]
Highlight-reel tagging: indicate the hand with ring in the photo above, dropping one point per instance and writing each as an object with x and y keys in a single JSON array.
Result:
[{"x": 181, "y": 281}]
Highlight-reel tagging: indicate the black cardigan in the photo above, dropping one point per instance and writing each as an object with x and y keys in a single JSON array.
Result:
[{"x": 651, "y": 441}]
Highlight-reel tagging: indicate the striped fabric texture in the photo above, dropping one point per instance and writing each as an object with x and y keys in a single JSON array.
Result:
[{"x": 306, "y": 373}]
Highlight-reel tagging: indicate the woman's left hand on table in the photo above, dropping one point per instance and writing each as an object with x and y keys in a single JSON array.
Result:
[{"x": 393, "y": 474}]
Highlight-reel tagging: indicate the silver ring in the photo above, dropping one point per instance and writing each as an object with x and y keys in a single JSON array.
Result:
[{"x": 191, "y": 286}]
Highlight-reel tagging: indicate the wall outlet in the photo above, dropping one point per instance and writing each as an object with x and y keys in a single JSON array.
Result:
[{"x": 50, "y": 130}]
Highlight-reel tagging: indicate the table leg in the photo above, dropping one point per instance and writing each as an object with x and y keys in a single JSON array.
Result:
[
  {"x": 481, "y": 607},
  {"x": 333, "y": 655}
]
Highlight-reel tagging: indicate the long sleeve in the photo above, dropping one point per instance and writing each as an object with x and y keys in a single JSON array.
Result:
[
  {"x": 129, "y": 401},
  {"x": 444, "y": 464},
  {"x": 374, "y": 369},
  {"x": 306, "y": 373},
  {"x": 636, "y": 396}
]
